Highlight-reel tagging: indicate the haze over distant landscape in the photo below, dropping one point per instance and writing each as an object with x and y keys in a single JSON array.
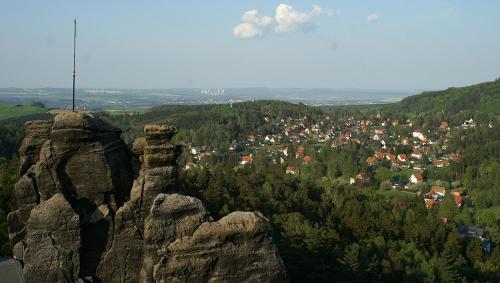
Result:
[
  {"x": 381, "y": 45},
  {"x": 129, "y": 99}
]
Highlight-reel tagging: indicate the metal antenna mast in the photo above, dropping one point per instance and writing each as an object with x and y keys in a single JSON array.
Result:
[{"x": 74, "y": 64}]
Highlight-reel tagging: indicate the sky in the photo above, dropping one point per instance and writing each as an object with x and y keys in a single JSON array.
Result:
[{"x": 368, "y": 44}]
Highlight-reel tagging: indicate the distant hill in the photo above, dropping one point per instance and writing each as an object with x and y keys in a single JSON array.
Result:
[{"x": 483, "y": 98}]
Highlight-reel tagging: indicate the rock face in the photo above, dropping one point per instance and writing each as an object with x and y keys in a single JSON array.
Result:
[
  {"x": 37, "y": 133},
  {"x": 237, "y": 248},
  {"x": 81, "y": 217},
  {"x": 53, "y": 242}
]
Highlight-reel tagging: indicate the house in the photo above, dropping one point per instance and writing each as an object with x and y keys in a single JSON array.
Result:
[
  {"x": 460, "y": 196},
  {"x": 195, "y": 150},
  {"x": 443, "y": 126},
  {"x": 468, "y": 124},
  {"x": 419, "y": 135},
  {"x": 440, "y": 163},
  {"x": 308, "y": 158},
  {"x": 291, "y": 170},
  {"x": 405, "y": 141},
  {"x": 416, "y": 153},
  {"x": 472, "y": 232},
  {"x": 284, "y": 151},
  {"x": 345, "y": 136},
  {"x": 416, "y": 177},
  {"x": 455, "y": 157},
  {"x": 390, "y": 157},
  {"x": 434, "y": 196},
  {"x": 251, "y": 138},
  {"x": 398, "y": 185},
  {"x": 439, "y": 190},
  {"x": 382, "y": 142},
  {"x": 371, "y": 161},
  {"x": 246, "y": 159},
  {"x": 402, "y": 157},
  {"x": 189, "y": 166},
  {"x": 300, "y": 151},
  {"x": 379, "y": 155}
]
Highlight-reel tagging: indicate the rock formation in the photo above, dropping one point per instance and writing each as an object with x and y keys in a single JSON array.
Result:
[
  {"x": 80, "y": 216},
  {"x": 237, "y": 248}
]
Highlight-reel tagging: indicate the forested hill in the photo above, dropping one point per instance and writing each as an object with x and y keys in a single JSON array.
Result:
[
  {"x": 216, "y": 124},
  {"x": 483, "y": 98}
]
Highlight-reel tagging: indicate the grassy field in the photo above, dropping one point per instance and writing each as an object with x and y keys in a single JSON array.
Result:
[{"x": 8, "y": 111}]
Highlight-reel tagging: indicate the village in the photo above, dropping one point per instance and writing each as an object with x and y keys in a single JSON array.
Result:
[{"x": 397, "y": 145}]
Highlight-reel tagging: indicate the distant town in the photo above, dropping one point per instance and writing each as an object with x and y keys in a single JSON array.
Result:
[{"x": 136, "y": 99}]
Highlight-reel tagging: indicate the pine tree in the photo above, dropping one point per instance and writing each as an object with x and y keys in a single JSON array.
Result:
[{"x": 351, "y": 257}]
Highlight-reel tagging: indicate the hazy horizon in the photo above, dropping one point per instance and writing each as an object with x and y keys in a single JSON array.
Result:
[{"x": 378, "y": 45}]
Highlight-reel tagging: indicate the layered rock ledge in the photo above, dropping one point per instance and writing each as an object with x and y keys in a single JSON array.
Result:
[{"x": 82, "y": 217}]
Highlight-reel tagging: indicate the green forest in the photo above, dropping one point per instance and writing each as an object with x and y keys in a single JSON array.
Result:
[{"x": 326, "y": 228}]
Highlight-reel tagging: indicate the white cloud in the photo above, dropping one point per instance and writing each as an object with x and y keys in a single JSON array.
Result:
[
  {"x": 252, "y": 25},
  {"x": 287, "y": 19},
  {"x": 373, "y": 18}
]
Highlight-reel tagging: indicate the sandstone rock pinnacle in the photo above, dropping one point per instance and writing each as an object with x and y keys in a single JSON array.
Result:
[{"x": 82, "y": 218}]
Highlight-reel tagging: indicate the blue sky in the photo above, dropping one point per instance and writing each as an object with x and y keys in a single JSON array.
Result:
[{"x": 372, "y": 44}]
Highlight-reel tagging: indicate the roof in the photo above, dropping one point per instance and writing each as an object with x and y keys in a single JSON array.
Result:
[
  {"x": 363, "y": 175},
  {"x": 439, "y": 190},
  {"x": 307, "y": 158},
  {"x": 246, "y": 158},
  {"x": 11, "y": 271},
  {"x": 470, "y": 231},
  {"x": 431, "y": 193},
  {"x": 390, "y": 156},
  {"x": 418, "y": 175},
  {"x": 380, "y": 154},
  {"x": 370, "y": 160}
]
